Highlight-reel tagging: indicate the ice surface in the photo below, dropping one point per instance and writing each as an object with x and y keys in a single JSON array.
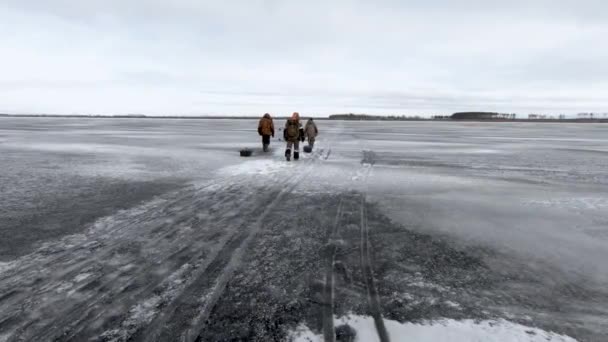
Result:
[
  {"x": 5, "y": 266},
  {"x": 437, "y": 331},
  {"x": 117, "y": 228}
]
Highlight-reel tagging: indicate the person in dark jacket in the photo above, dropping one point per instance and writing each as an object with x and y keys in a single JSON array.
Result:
[
  {"x": 311, "y": 132},
  {"x": 293, "y": 133},
  {"x": 266, "y": 130}
]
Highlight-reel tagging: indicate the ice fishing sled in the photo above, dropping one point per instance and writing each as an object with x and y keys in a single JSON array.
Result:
[{"x": 246, "y": 152}]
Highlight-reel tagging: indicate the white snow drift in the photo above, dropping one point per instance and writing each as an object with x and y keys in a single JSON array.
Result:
[{"x": 437, "y": 331}]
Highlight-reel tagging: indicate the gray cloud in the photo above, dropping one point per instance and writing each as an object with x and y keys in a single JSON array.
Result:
[{"x": 222, "y": 57}]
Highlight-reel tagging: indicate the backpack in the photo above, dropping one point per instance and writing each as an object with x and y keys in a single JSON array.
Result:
[{"x": 292, "y": 129}]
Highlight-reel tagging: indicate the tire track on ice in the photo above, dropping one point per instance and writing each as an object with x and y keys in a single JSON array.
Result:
[
  {"x": 328, "y": 288},
  {"x": 373, "y": 298},
  {"x": 353, "y": 212},
  {"x": 366, "y": 265}
]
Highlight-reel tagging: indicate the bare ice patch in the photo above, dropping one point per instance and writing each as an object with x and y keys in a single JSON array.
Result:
[
  {"x": 572, "y": 203},
  {"x": 435, "y": 331}
]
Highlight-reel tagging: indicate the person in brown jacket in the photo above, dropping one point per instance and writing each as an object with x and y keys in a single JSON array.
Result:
[{"x": 266, "y": 130}]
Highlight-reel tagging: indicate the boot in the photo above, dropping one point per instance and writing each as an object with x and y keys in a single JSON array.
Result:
[
  {"x": 265, "y": 148},
  {"x": 288, "y": 154},
  {"x": 296, "y": 155}
]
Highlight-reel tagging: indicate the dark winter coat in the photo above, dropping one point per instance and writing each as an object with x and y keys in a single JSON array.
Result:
[
  {"x": 293, "y": 130},
  {"x": 310, "y": 130}
]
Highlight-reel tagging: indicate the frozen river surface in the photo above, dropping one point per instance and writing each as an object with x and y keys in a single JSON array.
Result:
[{"x": 156, "y": 230}]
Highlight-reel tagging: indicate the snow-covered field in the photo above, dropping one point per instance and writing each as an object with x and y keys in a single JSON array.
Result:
[{"x": 144, "y": 230}]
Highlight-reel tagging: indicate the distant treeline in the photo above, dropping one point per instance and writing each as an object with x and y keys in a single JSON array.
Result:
[
  {"x": 482, "y": 116},
  {"x": 492, "y": 116},
  {"x": 359, "y": 117}
]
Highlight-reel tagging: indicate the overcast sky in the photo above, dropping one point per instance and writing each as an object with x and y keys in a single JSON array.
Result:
[{"x": 197, "y": 57}]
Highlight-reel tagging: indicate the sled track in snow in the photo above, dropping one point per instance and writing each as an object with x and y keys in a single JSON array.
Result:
[
  {"x": 71, "y": 270},
  {"x": 99, "y": 290},
  {"x": 141, "y": 217},
  {"x": 24, "y": 292},
  {"x": 198, "y": 260},
  {"x": 82, "y": 294},
  {"x": 186, "y": 317},
  {"x": 186, "y": 314}
]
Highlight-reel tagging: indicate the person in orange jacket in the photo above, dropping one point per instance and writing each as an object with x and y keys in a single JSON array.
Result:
[{"x": 266, "y": 130}]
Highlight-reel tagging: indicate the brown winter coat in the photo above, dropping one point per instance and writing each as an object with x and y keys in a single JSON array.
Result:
[
  {"x": 266, "y": 126},
  {"x": 310, "y": 130}
]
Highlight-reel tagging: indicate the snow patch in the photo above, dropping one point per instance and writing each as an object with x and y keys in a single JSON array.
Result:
[
  {"x": 254, "y": 167},
  {"x": 435, "y": 331},
  {"x": 82, "y": 277},
  {"x": 4, "y": 337},
  {"x": 303, "y": 334},
  {"x": 144, "y": 312},
  {"x": 452, "y": 304},
  {"x": 5, "y": 266},
  {"x": 425, "y": 285}
]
